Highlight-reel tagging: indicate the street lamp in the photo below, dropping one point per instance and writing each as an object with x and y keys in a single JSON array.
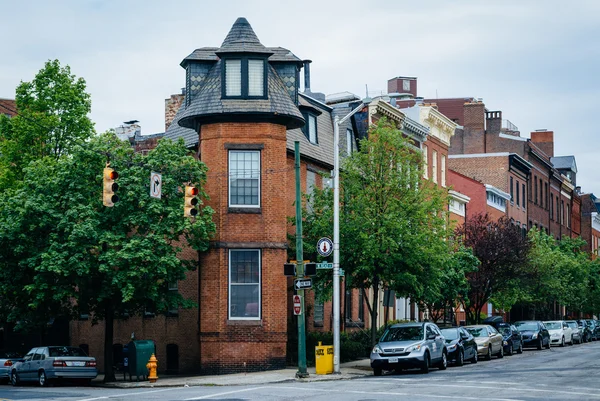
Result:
[{"x": 336, "y": 232}]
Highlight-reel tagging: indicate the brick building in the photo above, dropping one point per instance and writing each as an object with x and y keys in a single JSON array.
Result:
[{"x": 8, "y": 107}]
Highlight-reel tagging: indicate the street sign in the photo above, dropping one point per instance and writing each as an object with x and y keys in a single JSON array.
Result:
[
  {"x": 155, "y": 185},
  {"x": 297, "y": 305},
  {"x": 324, "y": 246},
  {"x": 324, "y": 265},
  {"x": 303, "y": 283}
]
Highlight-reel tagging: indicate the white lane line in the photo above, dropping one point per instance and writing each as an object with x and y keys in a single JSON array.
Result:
[
  {"x": 512, "y": 389},
  {"x": 224, "y": 393},
  {"x": 395, "y": 393},
  {"x": 106, "y": 397}
]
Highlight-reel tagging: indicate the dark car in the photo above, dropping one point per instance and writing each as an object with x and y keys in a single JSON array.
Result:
[
  {"x": 586, "y": 331},
  {"x": 461, "y": 345},
  {"x": 534, "y": 333},
  {"x": 594, "y": 329},
  {"x": 512, "y": 338}
]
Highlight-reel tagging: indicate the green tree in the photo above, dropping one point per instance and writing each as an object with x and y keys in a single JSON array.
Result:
[
  {"x": 392, "y": 223},
  {"x": 52, "y": 118},
  {"x": 64, "y": 252}
]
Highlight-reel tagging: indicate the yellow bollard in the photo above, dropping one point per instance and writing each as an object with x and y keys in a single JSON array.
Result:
[{"x": 152, "y": 365}]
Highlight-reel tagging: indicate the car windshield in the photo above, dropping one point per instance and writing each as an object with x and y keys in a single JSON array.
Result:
[
  {"x": 553, "y": 325},
  {"x": 411, "y": 333},
  {"x": 450, "y": 334},
  {"x": 572, "y": 325},
  {"x": 527, "y": 326},
  {"x": 505, "y": 331},
  {"x": 478, "y": 331},
  {"x": 66, "y": 351}
]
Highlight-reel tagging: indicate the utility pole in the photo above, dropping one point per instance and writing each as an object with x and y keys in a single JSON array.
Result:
[{"x": 302, "y": 372}]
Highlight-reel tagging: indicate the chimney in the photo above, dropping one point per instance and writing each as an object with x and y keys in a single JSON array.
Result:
[
  {"x": 172, "y": 105},
  {"x": 493, "y": 122},
  {"x": 544, "y": 140},
  {"x": 474, "y": 115},
  {"x": 406, "y": 85},
  {"x": 307, "y": 75}
]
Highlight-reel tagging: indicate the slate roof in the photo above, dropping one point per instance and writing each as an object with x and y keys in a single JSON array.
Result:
[
  {"x": 242, "y": 39},
  {"x": 564, "y": 163},
  {"x": 175, "y": 131},
  {"x": 210, "y": 54}
]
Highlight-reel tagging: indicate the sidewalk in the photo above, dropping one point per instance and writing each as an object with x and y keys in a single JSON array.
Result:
[{"x": 349, "y": 370}]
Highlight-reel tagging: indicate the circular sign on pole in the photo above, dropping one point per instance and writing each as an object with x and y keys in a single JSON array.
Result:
[
  {"x": 324, "y": 246},
  {"x": 297, "y": 305},
  {"x": 155, "y": 185}
]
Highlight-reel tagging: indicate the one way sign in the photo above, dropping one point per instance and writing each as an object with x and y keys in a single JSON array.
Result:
[{"x": 303, "y": 283}]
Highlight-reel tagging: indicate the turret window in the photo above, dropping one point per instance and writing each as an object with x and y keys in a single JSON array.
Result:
[{"x": 244, "y": 78}]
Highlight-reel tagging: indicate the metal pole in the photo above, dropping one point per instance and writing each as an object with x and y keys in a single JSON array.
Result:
[
  {"x": 300, "y": 268},
  {"x": 336, "y": 245}
]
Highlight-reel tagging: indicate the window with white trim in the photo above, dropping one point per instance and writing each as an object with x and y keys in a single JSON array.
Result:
[
  {"x": 425, "y": 165},
  {"x": 311, "y": 182},
  {"x": 244, "y": 284},
  {"x": 348, "y": 142},
  {"x": 244, "y": 178},
  {"x": 434, "y": 175},
  {"x": 244, "y": 78},
  {"x": 443, "y": 170}
]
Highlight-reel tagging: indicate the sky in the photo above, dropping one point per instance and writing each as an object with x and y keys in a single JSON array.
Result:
[{"x": 536, "y": 61}]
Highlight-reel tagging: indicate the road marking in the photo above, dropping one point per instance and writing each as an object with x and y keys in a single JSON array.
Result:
[
  {"x": 132, "y": 393},
  {"x": 411, "y": 394},
  {"x": 224, "y": 393},
  {"x": 513, "y": 389}
]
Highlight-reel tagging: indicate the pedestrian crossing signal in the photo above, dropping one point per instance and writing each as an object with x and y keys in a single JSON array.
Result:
[
  {"x": 191, "y": 201},
  {"x": 110, "y": 187}
]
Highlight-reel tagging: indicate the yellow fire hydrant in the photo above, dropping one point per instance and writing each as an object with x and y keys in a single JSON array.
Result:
[{"x": 152, "y": 365}]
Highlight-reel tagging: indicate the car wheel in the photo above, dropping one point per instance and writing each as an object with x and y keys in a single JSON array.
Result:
[
  {"x": 42, "y": 380},
  {"x": 444, "y": 362},
  {"x": 562, "y": 342},
  {"x": 14, "y": 378},
  {"x": 488, "y": 356},
  {"x": 474, "y": 359},
  {"x": 460, "y": 358},
  {"x": 501, "y": 353},
  {"x": 510, "y": 348},
  {"x": 377, "y": 372},
  {"x": 426, "y": 362},
  {"x": 520, "y": 350},
  {"x": 540, "y": 344}
]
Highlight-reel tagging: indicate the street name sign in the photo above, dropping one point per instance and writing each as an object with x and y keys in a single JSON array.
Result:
[
  {"x": 303, "y": 283},
  {"x": 324, "y": 265}
]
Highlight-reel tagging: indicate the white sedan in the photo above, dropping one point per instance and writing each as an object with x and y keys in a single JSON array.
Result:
[{"x": 560, "y": 332}]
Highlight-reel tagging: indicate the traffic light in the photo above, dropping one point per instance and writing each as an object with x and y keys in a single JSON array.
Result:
[
  {"x": 310, "y": 269},
  {"x": 109, "y": 196},
  {"x": 189, "y": 207},
  {"x": 289, "y": 269}
]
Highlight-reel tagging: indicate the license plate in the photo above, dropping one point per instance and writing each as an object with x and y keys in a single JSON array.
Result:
[
  {"x": 78, "y": 363},
  {"x": 393, "y": 360}
]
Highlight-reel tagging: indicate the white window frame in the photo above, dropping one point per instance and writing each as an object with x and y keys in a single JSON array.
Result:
[
  {"x": 230, "y": 177},
  {"x": 311, "y": 131},
  {"x": 259, "y": 284},
  {"x": 434, "y": 176},
  {"x": 443, "y": 171},
  {"x": 406, "y": 84},
  {"x": 349, "y": 141},
  {"x": 425, "y": 163}
]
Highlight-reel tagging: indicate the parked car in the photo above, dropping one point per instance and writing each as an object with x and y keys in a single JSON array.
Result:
[
  {"x": 560, "y": 332},
  {"x": 7, "y": 360},
  {"x": 512, "y": 340},
  {"x": 594, "y": 329},
  {"x": 52, "y": 363},
  {"x": 461, "y": 345},
  {"x": 534, "y": 333},
  {"x": 489, "y": 341},
  {"x": 585, "y": 330},
  {"x": 575, "y": 331},
  {"x": 410, "y": 345}
]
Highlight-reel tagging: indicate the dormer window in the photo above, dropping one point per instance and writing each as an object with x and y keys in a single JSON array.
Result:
[
  {"x": 244, "y": 78},
  {"x": 310, "y": 128}
]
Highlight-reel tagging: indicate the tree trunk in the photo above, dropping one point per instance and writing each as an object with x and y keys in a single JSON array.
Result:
[
  {"x": 374, "y": 310},
  {"x": 109, "y": 320}
]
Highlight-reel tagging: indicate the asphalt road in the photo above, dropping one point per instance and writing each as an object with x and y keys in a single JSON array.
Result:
[{"x": 570, "y": 373}]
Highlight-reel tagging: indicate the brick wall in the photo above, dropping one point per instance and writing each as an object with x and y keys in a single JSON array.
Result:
[
  {"x": 491, "y": 170},
  {"x": 470, "y": 187},
  {"x": 172, "y": 104},
  {"x": 544, "y": 140}
]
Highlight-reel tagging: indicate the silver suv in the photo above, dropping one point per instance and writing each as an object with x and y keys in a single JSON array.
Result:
[{"x": 410, "y": 345}]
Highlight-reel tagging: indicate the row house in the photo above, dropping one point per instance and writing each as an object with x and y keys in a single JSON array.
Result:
[{"x": 590, "y": 223}]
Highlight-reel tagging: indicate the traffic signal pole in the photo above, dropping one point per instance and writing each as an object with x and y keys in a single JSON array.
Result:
[{"x": 301, "y": 373}]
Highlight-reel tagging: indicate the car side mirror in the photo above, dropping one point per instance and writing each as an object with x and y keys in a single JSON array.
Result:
[{"x": 431, "y": 336}]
